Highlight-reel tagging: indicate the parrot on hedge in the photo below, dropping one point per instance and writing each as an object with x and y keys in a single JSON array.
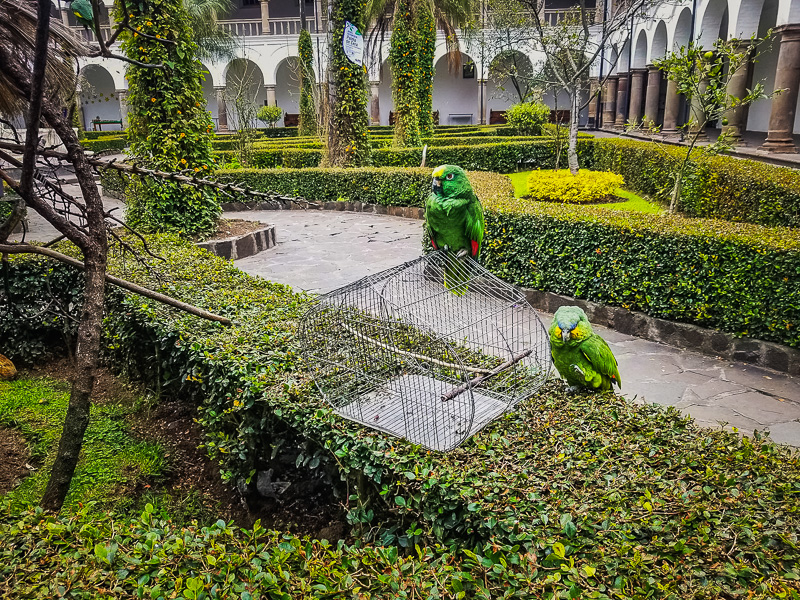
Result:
[
  {"x": 454, "y": 221},
  {"x": 581, "y": 356},
  {"x": 82, "y": 9}
]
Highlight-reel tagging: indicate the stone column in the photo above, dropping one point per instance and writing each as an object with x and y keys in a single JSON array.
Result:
[
  {"x": 122, "y": 95},
  {"x": 265, "y": 17},
  {"x": 593, "y": 100},
  {"x": 222, "y": 110},
  {"x": 697, "y": 114},
  {"x": 787, "y": 78},
  {"x": 271, "y": 100},
  {"x": 653, "y": 94},
  {"x": 622, "y": 101},
  {"x": 375, "y": 103},
  {"x": 482, "y": 101},
  {"x": 318, "y": 15},
  {"x": 737, "y": 87},
  {"x": 64, "y": 17},
  {"x": 638, "y": 78},
  {"x": 672, "y": 109},
  {"x": 610, "y": 101}
]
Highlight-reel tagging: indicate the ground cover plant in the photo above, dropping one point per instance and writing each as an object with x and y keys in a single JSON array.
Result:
[
  {"x": 111, "y": 459},
  {"x": 588, "y": 495},
  {"x": 585, "y": 187}
]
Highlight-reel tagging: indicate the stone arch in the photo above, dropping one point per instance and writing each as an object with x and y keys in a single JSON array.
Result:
[
  {"x": 658, "y": 47},
  {"x": 764, "y": 69},
  {"x": 510, "y": 74},
  {"x": 623, "y": 60},
  {"x": 243, "y": 76},
  {"x": 99, "y": 97},
  {"x": 613, "y": 60},
  {"x": 714, "y": 23},
  {"x": 208, "y": 92},
  {"x": 287, "y": 86},
  {"x": 455, "y": 91},
  {"x": 640, "y": 51},
  {"x": 683, "y": 30},
  {"x": 747, "y": 18},
  {"x": 385, "y": 92}
]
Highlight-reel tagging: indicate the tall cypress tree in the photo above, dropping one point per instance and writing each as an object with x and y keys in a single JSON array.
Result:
[
  {"x": 308, "y": 115},
  {"x": 404, "y": 61},
  {"x": 169, "y": 126},
  {"x": 426, "y": 36},
  {"x": 347, "y": 142}
]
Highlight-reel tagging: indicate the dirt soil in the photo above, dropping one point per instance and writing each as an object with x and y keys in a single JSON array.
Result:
[
  {"x": 14, "y": 456},
  {"x": 227, "y": 228},
  {"x": 307, "y": 507}
]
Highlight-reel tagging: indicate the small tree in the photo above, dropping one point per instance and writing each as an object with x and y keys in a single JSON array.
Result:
[
  {"x": 528, "y": 118},
  {"x": 269, "y": 115},
  {"x": 307, "y": 123},
  {"x": 702, "y": 77}
]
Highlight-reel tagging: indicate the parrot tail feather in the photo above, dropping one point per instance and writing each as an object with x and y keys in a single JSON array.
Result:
[{"x": 456, "y": 275}]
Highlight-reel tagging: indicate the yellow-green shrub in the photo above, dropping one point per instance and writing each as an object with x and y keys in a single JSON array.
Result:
[{"x": 562, "y": 186}]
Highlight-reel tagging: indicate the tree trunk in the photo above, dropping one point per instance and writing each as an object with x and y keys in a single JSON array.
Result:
[
  {"x": 572, "y": 148},
  {"x": 86, "y": 363}
]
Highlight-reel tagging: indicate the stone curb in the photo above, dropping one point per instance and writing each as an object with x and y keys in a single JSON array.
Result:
[
  {"x": 409, "y": 212},
  {"x": 242, "y": 246},
  {"x": 680, "y": 335}
]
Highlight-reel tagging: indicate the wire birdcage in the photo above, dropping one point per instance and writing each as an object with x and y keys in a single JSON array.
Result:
[{"x": 400, "y": 352}]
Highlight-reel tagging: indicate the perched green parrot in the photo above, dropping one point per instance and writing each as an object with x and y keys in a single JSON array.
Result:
[
  {"x": 82, "y": 9},
  {"x": 454, "y": 220},
  {"x": 581, "y": 356}
]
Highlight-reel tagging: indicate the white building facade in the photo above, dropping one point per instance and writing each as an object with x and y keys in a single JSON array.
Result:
[{"x": 268, "y": 34}]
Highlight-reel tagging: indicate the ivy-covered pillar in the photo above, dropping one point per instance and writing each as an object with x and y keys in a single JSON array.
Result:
[
  {"x": 404, "y": 61},
  {"x": 347, "y": 142},
  {"x": 122, "y": 96}
]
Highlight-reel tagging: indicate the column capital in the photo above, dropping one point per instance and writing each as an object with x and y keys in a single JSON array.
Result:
[
  {"x": 122, "y": 91},
  {"x": 639, "y": 71},
  {"x": 789, "y": 33},
  {"x": 220, "y": 88},
  {"x": 651, "y": 67}
]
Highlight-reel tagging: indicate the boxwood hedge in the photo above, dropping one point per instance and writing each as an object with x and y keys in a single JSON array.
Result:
[
  {"x": 111, "y": 142},
  {"x": 593, "y": 495}
]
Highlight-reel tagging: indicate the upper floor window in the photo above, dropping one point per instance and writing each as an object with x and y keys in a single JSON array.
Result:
[{"x": 250, "y": 2}]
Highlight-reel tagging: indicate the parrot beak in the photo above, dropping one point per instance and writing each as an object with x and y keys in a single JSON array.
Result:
[
  {"x": 437, "y": 184},
  {"x": 565, "y": 334}
]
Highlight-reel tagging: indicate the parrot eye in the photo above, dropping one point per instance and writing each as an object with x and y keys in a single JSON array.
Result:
[{"x": 450, "y": 176}]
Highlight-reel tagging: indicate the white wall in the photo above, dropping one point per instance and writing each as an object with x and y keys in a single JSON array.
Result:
[
  {"x": 452, "y": 94},
  {"x": 99, "y": 98}
]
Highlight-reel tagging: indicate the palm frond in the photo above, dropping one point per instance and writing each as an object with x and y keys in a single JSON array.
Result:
[
  {"x": 17, "y": 36},
  {"x": 213, "y": 42}
]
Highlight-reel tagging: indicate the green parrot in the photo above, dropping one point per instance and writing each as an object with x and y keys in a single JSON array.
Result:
[
  {"x": 581, "y": 356},
  {"x": 454, "y": 221},
  {"x": 82, "y": 9}
]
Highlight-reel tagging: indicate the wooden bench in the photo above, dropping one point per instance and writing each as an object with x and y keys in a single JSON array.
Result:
[
  {"x": 291, "y": 119},
  {"x": 435, "y": 117},
  {"x": 559, "y": 116},
  {"x": 497, "y": 117},
  {"x": 460, "y": 118},
  {"x": 97, "y": 124}
]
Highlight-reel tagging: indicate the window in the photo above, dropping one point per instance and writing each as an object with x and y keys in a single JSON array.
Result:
[
  {"x": 250, "y": 2},
  {"x": 468, "y": 71}
]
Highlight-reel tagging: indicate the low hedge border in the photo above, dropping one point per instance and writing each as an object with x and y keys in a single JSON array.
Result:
[
  {"x": 118, "y": 143},
  {"x": 621, "y": 512}
]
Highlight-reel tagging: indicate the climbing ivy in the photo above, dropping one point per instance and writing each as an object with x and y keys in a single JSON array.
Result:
[
  {"x": 308, "y": 114},
  {"x": 169, "y": 125},
  {"x": 426, "y": 47},
  {"x": 348, "y": 137},
  {"x": 404, "y": 61}
]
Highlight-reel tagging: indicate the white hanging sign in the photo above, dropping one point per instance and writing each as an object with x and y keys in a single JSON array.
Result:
[{"x": 353, "y": 44}]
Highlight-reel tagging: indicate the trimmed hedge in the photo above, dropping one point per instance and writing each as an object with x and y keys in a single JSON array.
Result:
[
  {"x": 719, "y": 187},
  {"x": 736, "y": 277},
  {"x": 617, "y": 499},
  {"x": 117, "y": 142},
  {"x": 95, "y": 135}
]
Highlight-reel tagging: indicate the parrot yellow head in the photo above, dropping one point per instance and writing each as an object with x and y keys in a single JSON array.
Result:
[
  {"x": 569, "y": 326},
  {"x": 450, "y": 180}
]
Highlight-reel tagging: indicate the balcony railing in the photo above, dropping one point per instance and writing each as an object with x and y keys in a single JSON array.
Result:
[
  {"x": 292, "y": 26},
  {"x": 554, "y": 16},
  {"x": 242, "y": 27},
  {"x": 87, "y": 35}
]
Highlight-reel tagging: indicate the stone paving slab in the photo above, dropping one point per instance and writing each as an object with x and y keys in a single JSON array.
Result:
[{"x": 321, "y": 250}]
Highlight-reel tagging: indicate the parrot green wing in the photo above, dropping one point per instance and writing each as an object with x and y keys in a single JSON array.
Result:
[
  {"x": 82, "y": 9},
  {"x": 474, "y": 223},
  {"x": 597, "y": 352}
]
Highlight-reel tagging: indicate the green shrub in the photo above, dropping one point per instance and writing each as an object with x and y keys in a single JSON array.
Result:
[
  {"x": 118, "y": 142},
  {"x": 269, "y": 114},
  {"x": 718, "y": 187},
  {"x": 509, "y": 493},
  {"x": 96, "y": 135},
  {"x": 587, "y": 187},
  {"x": 528, "y": 118},
  {"x": 738, "y": 278}
]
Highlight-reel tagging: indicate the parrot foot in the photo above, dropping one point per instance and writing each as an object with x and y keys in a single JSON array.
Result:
[
  {"x": 573, "y": 389},
  {"x": 461, "y": 253}
]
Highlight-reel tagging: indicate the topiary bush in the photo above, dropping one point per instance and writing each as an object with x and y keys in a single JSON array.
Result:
[
  {"x": 587, "y": 187},
  {"x": 528, "y": 118},
  {"x": 269, "y": 114}
]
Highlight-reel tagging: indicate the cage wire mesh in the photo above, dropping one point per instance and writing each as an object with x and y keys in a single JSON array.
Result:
[{"x": 400, "y": 352}]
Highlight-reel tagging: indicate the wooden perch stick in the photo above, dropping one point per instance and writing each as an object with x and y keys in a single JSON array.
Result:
[
  {"x": 456, "y": 391},
  {"x": 126, "y": 285}
]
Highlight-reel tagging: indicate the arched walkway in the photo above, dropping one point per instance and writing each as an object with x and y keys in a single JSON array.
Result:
[
  {"x": 455, "y": 92},
  {"x": 99, "y": 98},
  {"x": 243, "y": 81},
  {"x": 510, "y": 75},
  {"x": 287, "y": 87}
]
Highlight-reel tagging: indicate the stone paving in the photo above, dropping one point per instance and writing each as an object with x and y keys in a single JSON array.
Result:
[{"x": 322, "y": 250}]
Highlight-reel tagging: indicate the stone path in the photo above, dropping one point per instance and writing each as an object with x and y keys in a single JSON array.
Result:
[{"x": 322, "y": 250}]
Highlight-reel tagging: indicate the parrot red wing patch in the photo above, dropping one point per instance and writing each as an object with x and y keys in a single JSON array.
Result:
[
  {"x": 435, "y": 247},
  {"x": 474, "y": 248}
]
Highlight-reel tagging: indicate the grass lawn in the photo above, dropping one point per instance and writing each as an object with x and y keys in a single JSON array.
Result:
[
  {"x": 632, "y": 201},
  {"x": 111, "y": 460}
]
